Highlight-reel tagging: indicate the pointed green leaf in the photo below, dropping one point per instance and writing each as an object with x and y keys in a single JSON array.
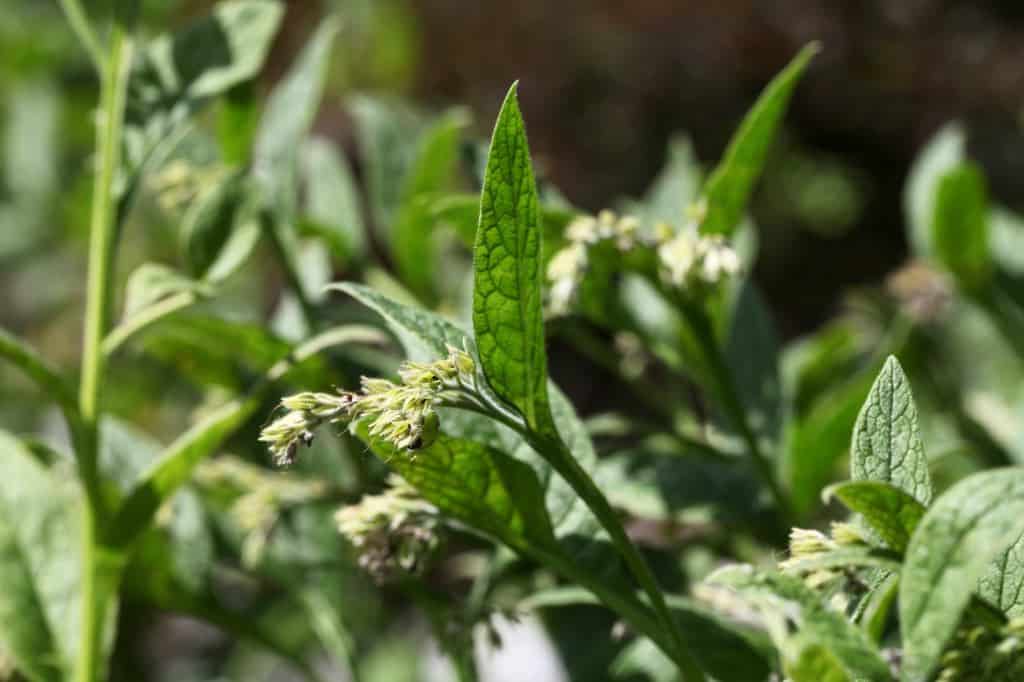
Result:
[
  {"x": 25, "y": 358},
  {"x": 888, "y": 510},
  {"x": 1003, "y": 583},
  {"x": 886, "y": 440},
  {"x": 960, "y": 225},
  {"x": 209, "y": 222},
  {"x": 153, "y": 282},
  {"x": 507, "y": 314},
  {"x": 817, "y": 625},
  {"x": 39, "y": 564},
  {"x": 954, "y": 544},
  {"x": 728, "y": 189}
]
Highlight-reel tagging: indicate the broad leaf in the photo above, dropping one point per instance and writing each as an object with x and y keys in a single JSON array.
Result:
[
  {"x": 816, "y": 624},
  {"x": 728, "y": 189},
  {"x": 890, "y": 512},
  {"x": 212, "y": 54},
  {"x": 886, "y": 440},
  {"x": 487, "y": 490},
  {"x": 676, "y": 186},
  {"x": 507, "y": 315},
  {"x": 949, "y": 552},
  {"x": 960, "y": 227},
  {"x": 39, "y": 565},
  {"x": 332, "y": 201},
  {"x": 752, "y": 353},
  {"x": 210, "y": 221},
  {"x": 1003, "y": 582}
]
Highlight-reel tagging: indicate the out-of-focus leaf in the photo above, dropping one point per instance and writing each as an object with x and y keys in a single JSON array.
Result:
[
  {"x": 212, "y": 54},
  {"x": 25, "y": 358},
  {"x": 960, "y": 226},
  {"x": 955, "y": 542},
  {"x": 816, "y": 624},
  {"x": 432, "y": 171},
  {"x": 728, "y": 189},
  {"x": 39, "y": 565},
  {"x": 942, "y": 153},
  {"x": 209, "y": 222},
  {"x": 332, "y": 201},
  {"x": 286, "y": 120},
  {"x": 889, "y": 511},
  {"x": 817, "y": 441},
  {"x": 887, "y": 443},
  {"x": 153, "y": 282},
  {"x": 752, "y": 353},
  {"x": 812, "y": 365},
  {"x": 676, "y": 186},
  {"x": 813, "y": 663},
  {"x": 387, "y": 132},
  {"x": 508, "y": 319},
  {"x": 1003, "y": 582}
]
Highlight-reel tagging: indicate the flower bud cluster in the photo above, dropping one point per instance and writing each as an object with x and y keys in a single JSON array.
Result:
[
  {"x": 686, "y": 259},
  {"x": 807, "y": 544},
  {"x": 402, "y": 414},
  {"x": 394, "y": 532},
  {"x": 980, "y": 653}
]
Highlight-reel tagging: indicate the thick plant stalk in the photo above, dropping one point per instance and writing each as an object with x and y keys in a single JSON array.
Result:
[{"x": 100, "y": 567}]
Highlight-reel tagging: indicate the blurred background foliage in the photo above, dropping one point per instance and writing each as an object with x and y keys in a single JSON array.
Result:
[{"x": 612, "y": 93}]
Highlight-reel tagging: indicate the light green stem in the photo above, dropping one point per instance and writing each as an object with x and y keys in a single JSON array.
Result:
[{"x": 100, "y": 567}]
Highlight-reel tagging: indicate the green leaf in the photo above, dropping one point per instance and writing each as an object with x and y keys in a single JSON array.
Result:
[
  {"x": 1003, "y": 582},
  {"x": 290, "y": 110},
  {"x": 332, "y": 201},
  {"x": 676, "y": 186},
  {"x": 432, "y": 171},
  {"x": 888, "y": 510},
  {"x": 213, "y": 54},
  {"x": 817, "y": 625},
  {"x": 813, "y": 663},
  {"x": 39, "y": 565},
  {"x": 752, "y": 353},
  {"x": 876, "y": 606},
  {"x": 153, "y": 282},
  {"x": 942, "y": 153},
  {"x": 507, "y": 314},
  {"x": 960, "y": 225},
  {"x": 25, "y": 358},
  {"x": 728, "y": 189},
  {"x": 887, "y": 443},
  {"x": 480, "y": 486},
  {"x": 209, "y": 222},
  {"x": 951, "y": 549}
]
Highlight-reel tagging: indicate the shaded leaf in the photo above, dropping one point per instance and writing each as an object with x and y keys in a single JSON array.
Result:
[
  {"x": 890, "y": 512},
  {"x": 332, "y": 200},
  {"x": 1003, "y": 582},
  {"x": 951, "y": 549},
  {"x": 943, "y": 152},
  {"x": 209, "y": 222}
]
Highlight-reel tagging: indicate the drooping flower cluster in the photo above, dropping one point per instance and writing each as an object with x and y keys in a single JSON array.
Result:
[
  {"x": 808, "y": 544},
  {"x": 261, "y": 498},
  {"x": 394, "y": 532},
  {"x": 686, "y": 259},
  {"x": 402, "y": 413}
]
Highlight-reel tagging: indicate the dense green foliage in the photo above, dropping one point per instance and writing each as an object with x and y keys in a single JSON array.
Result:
[{"x": 434, "y": 463}]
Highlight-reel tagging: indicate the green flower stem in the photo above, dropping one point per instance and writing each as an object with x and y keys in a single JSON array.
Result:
[
  {"x": 100, "y": 568},
  {"x": 737, "y": 414},
  {"x": 562, "y": 460}
]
